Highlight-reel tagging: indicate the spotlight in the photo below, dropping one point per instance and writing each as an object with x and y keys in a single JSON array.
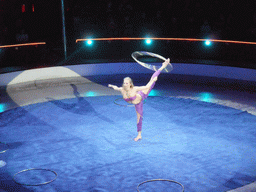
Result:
[
  {"x": 89, "y": 42},
  {"x": 2, "y": 107},
  {"x": 207, "y": 42},
  {"x": 90, "y": 94},
  {"x": 206, "y": 97},
  {"x": 148, "y": 41}
]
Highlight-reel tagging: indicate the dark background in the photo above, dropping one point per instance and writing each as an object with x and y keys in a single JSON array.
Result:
[{"x": 218, "y": 19}]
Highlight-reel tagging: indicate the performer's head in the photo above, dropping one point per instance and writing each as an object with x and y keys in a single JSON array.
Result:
[{"x": 128, "y": 83}]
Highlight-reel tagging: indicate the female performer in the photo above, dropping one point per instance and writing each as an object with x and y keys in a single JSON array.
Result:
[{"x": 136, "y": 94}]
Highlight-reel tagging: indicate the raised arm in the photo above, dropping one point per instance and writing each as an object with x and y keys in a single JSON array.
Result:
[{"x": 115, "y": 87}]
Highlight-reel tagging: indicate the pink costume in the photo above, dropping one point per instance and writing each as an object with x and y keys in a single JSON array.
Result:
[{"x": 139, "y": 106}]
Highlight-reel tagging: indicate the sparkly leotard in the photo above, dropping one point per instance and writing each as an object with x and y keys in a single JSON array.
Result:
[
  {"x": 139, "y": 106},
  {"x": 130, "y": 99}
]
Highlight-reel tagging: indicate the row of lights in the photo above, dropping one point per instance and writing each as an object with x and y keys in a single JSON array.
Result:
[
  {"x": 88, "y": 42},
  {"x": 147, "y": 41}
]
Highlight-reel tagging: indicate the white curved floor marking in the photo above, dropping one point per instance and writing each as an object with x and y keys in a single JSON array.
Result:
[
  {"x": 40, "y": 85},
  {"x": 227, "y": 103}
]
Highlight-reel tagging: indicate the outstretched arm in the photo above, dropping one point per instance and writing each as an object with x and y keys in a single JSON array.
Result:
[{"x": 115, "y": 87}]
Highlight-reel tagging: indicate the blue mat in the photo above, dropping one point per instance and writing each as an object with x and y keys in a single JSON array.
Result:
[{"x": 89, "y": 143}]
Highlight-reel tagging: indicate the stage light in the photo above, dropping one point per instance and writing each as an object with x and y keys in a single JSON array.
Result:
[
  {"x": 148, "y": 41},
  {"x": 168, "y": 39},
  {"x": 206, "y": 97},
  {"x": 90, "y": 94},
  {"x": 2, "y": 107},
  {"x": 89, "y": 42},
  {"x": 23, "y": 8},
  {"x": 154, "y": 92},
  {"x": 207, "y": 42}
]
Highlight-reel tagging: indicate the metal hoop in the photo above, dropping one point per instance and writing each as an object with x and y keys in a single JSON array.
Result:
[
  {"x": 131, "y": 105},
  {"x": 25, "y": 170},
  {"x": 161, "y": 180},
  {"x": 128, "y": 105},
  {"x": 136, "y": 54},
  {"x": 5, "y": 149}
]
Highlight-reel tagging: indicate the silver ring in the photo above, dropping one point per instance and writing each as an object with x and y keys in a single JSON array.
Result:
[
  {"x": 137, "y": 54},
  {"x": 160, "y": 180},
  {"x": 128, "y": 105},
  {"x": 56, "y": 175},
  {"x": 5, "y": 149}
]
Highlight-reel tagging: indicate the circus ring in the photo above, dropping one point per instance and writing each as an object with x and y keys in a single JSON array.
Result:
[{"x": 65, "y": 120}]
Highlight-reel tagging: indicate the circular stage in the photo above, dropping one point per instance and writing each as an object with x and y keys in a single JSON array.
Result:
[{"x": 88, "y": 141}]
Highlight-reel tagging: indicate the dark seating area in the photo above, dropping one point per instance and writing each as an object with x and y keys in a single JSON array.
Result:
[{"x": 34, "y": 21}]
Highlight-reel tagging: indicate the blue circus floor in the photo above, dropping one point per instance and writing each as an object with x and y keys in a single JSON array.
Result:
[{"x": 202, "y": 136}]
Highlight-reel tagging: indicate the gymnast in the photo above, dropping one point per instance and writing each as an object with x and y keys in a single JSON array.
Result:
[{"x": 136, "y": 94}]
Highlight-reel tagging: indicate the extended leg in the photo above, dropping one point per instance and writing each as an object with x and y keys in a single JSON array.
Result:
[
  {"x": 139, "y": 127},
  {"x": 153, "y": 79},
  {"x": 139, "y": 112},
  {"x": 152, "y": 82}
]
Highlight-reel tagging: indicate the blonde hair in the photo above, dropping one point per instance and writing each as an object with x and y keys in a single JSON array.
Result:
[{"x": 131, "y": 82}]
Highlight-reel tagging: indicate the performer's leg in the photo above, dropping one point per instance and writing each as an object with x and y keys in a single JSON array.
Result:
[
  {"x": 144, "y": 94},
  {"x": 153, "y": 79},
  {"x": 139, "y": 112},
  {"x": 152, "y": 82},
  {"x": 139, "y": 127}
]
